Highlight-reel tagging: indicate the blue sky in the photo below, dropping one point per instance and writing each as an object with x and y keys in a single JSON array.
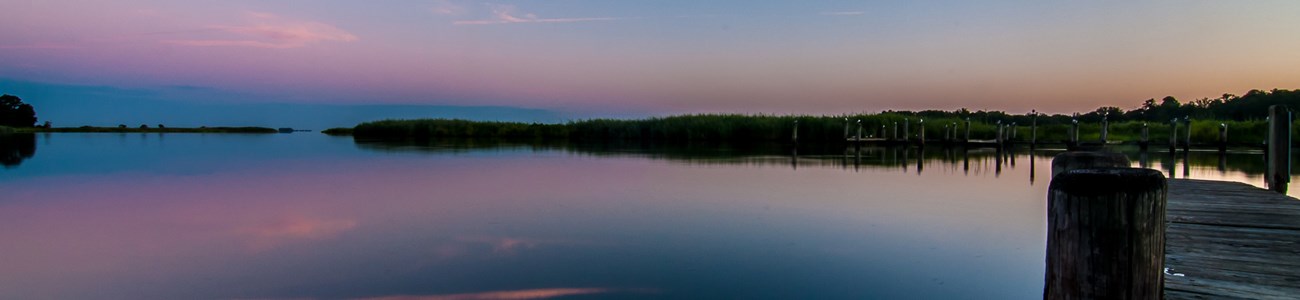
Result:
[{"x": 587, "y": 58}]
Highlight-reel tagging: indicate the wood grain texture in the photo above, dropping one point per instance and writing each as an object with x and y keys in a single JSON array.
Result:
[{"x": 1230, "y": 240}]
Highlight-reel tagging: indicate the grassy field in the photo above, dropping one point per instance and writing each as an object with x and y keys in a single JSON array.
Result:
[
  {"x": 148, "y": 130},
  {"x": 766, "y": 128}
]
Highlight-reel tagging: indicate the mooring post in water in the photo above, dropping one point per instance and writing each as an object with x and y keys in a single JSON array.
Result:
[
  {"x": 1033, "y": 129},
  {"x": 1173, "y": 135},
  {"x": 954, "y": 132},
  {"x": 1145, "y": 141},
  {"x": 896, "y": 131},
  {"x": 998, "y": 138},
  {"x": 967, "y": 130},
  {"x": 920, "y": 134},
  {"x": 1106, "y": 234},
  {"x": 1105, "y": 129},
  {"x": 906, "y": 136},
  {"x": 846, "y": 128},
  {"x": 1279, "y": 148},
  {"x": 1013, "y": 132},
  {"x": 859, "y": 138},
  {"x": 1223, "y": 137},
  {"x": 1074, "y": 133},
  {"x": 1187, "y": 146},
  {"x": 946, "y": 133}
]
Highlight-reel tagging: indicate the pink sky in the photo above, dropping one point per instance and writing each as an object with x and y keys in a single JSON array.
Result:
[{"x": 656, "y": 57}]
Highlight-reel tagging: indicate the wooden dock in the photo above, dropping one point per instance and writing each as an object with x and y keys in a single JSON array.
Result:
[{"x": 1229, "y": 240}]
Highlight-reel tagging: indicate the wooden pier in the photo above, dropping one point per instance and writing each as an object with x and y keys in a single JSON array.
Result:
[{"x": 1229, "y": 240}]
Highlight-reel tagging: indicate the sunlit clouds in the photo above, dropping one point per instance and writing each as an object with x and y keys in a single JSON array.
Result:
[
  {"x": 266, "y": 30},
  {"x": 509, "y": 14},
  {"x": 506, "y": 295},
  {"x": 639, "y": 58},
  {"x": 273, "y": 233}
]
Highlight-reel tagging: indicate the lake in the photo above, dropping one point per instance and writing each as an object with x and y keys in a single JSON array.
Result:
[{"x": 202, "y": 216}]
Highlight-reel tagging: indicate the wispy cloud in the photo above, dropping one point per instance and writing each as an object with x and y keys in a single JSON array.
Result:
[
  {"x": 270, "y": 31},
  {"x": 843, "y": 13},
  {"x": 516, "y": 294},
  {"x": 445, "y": 7},
  {"x": 509, "y": 14}
]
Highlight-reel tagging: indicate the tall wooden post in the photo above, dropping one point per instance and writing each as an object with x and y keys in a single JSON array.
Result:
[
  {"x": 953, "y": 137},
  {"x": 1105, "y": 130},
  {"x": 906, "y": 137},
  {"x": 947, "y": 133},
  {"x": 1223, "y": 137},
  {"x": 1188, "y": 143},
  {"x": 846, "y": 128},
  {"x": 1173, "y": 135},
  {"x": 1033, "y": 129},
  {"x": 1106, "y": 234},
  {"x": 920, "y": 134},
  {"x": 998, "y": 138},
  {"x": 1279, "y": 148},
  {"x": 1146, "y": 137},
  {"x": 967, "y": 130},
  {"x": 1014, "y": 128},
  {"x": 896, "y": 131},
  {"x": 859, "y": 131},
  {"x": 1074, "y": 132}
]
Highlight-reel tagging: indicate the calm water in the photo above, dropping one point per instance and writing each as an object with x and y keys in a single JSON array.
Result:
[{"x": 192, "y": 216}]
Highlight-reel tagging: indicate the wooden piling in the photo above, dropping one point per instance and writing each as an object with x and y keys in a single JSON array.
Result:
[
  {"x": 1187, "y": 145},
  {"x": 1106, "y": 234},
  {"x": 859, "y": 131},
  {"x": 920, "y": 135},
  {"x": 1033, "y": 130},
  {"x": 1105, "y": 130},
  {"x": 895, "y": 131},
  {"x": 1074, "y": 133},
  {"x": 1173, "y": 135},
  {"x": 846, "y": 128},
  {"x": 1146, "y": 137},
  {"x": 1278, "y": 173},
  {"x": 967, "y": 140},
  {"x": 1088, "y": 160},
  {"x": 1223, "y": 137},
  {"x": 906, "y": 137}
]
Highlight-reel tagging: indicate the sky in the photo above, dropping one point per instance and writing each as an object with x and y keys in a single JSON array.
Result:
[{"x": 566, "y": 59}]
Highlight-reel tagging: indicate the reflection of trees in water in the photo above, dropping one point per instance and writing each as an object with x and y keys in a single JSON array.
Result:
[
  {"x": 14, "y": 148},
  {"x": 829, "y": 155}
]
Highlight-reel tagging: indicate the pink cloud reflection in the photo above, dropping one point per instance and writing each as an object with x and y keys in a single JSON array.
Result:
[
  {"x": 507, "y": 295},
  {"x": 272, "y": 234}
]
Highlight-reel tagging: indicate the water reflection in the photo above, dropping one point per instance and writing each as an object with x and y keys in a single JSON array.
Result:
[
  {"x": 1244, "y": 166},
  {"x": 14, "y": 148},
  {"x": 303, "y": 216}
]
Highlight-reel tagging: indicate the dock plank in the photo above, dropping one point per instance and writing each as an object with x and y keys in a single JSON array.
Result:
[{"x": 1231, "y": 240}]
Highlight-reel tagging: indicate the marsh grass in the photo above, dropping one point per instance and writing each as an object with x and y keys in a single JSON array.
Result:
[
  {"x": 768, "y": 128},
  {"x": 150, "y": 130}
]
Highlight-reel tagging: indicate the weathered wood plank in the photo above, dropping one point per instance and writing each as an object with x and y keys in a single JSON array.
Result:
[{"x": 1231, "y": 240}]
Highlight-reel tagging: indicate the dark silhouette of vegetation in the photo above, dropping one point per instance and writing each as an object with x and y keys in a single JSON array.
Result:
[
  {"x": 145, "y": 129},
  {"x": 337, "y": 131},
  {"x": 1243, "y": 115},
  {"x": 14, "y": 148},
  {"x": 15, "y": 113}
]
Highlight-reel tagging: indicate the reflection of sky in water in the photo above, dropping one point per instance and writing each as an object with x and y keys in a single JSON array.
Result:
[{"x": 289, "y": 216}]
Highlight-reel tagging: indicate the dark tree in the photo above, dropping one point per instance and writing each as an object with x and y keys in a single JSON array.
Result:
[
  {"x": 15, "y": 113},
  {"x": 14, "y": 148}
]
